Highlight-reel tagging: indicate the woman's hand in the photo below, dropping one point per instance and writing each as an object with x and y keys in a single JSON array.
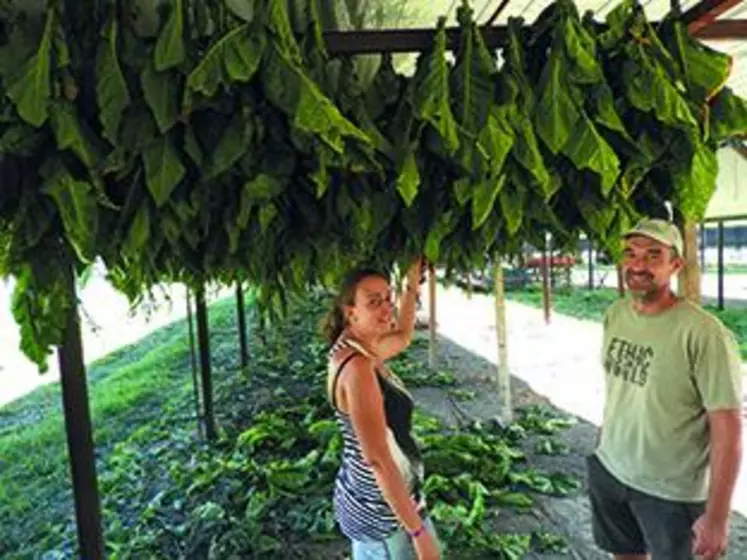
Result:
[
  {"x": 426, "y": 547},
  {"x": 416, "y": 273}
]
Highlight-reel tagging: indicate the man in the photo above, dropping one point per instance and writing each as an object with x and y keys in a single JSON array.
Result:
[{"x": 662, "y": 477}]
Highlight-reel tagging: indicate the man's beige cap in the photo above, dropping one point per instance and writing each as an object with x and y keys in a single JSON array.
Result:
[{"x": 659, "y": 230}]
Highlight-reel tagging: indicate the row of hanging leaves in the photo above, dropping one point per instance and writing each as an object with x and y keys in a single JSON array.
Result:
[{"x": 218, "y": 141}]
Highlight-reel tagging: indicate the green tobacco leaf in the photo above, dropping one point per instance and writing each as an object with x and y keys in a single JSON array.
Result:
[
  {"x": 483, "y": 199},
  {"x": 163, "y": 169},
  {"x": 262, "y": 188},
  {"x": 556, "y": 116},
  {"x": 70, "y": 134},
  {"x": 235, "y": 141},
  {"x": 604, "y": 113},
  {"x": 192, "y": 146},
  {"x": 703, "y": 69},
  {"x": 161, "y": 94},
  {"x": 267, "y": 214},
  {"x": 579, "y": 50},
  {"x": 431, "y": 91},
  {"x": 408, "y": 179},
  {"x": 498, "y": 139},
  {"x": 289, "y": 88},
  {"x": 21, "y": 139},
  {"x": 139, "y": 232},
  {"x": 278, "y": 23},
  {"x": 242, "y": 9},
  {"x": 597, "y": 215},
  {"x": 235, "y": 57},
  {"x": 111, "y": 89},
  {"x": 78, "y": 208},
  {"x": 563, "y": 126},
  {"x": 32, "y": 89},
  {"x": 472, "y": 84},
  {"x": 694, "y": 178},
  {"x": 39, "y": 305},
  {"x": 526, "y": 150},
  {"x": 444, "y": 226},
  {"x": 648, "y": 88},
  {"x": 728, "y": 116},
  {"x": 170, "y": 50},
  {"x": 588, "y": 150},
  {"x": 513, "y": 197}
]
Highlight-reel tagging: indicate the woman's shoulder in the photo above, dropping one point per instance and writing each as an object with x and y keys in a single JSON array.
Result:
[{"x": 344, "y": 351}]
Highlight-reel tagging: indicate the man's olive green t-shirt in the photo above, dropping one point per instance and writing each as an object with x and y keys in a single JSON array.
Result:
[{"x": 663, "y": 374}]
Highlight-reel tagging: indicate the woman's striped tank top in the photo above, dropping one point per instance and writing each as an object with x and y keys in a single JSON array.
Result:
[{"x": 360, "y": 508}]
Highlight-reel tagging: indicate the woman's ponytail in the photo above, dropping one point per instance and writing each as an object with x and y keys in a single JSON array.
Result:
[{"x": 333, "y": 324}]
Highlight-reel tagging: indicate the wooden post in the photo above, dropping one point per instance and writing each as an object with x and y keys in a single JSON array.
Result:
[
  {"x": 504, "y": 374},
  {"x": 79, "y": 432},
  {"x": 546, "y": 283},
  {"x": 720, "y": 268},
  {"x": 689, "y": 280},
  {"x": 620, "y": 281},
  {"x": 433, "y": 341},
  {"x": 203, "y": 340},
  {"x": 193, "y": 363},
  {"x": 469, "y": 285},
  {"x": 591, "y": 265},
  {"x": 702, "y": 246},
  {"x": 241, "y": 315}
]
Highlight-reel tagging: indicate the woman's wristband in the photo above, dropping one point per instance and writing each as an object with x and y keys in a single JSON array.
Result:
[{"x": 416, "y": 533}]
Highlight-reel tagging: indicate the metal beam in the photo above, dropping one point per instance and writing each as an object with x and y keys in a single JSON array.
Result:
[
  {"x": 415, "y": 40},
  {"x": 705, "y": 13}
]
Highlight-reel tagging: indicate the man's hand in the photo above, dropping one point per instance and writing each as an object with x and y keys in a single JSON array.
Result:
[{"x": 710, "y": 537}]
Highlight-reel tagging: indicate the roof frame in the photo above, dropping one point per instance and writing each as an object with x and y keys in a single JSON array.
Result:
[
  {"x": 414, "y": 40},
  {"x": 704, "y": 13}
]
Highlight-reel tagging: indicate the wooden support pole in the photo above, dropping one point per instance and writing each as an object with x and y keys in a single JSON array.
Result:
[
  {"x": 241, "y": 316},
  {"x": 79, "y": 433},
  {"x": 620, "y": 281},
  {"x": 689, "y": 279},
  {"x": 702, "y": 246},
  {"x": 504, "y": 374},
  {"x": 469, "y": 285},
  {"x": 720, "y": 268},
  {"x": 203, "y": 341},
  {"x": 433, "y": 340},
  {"x": 591, "y": 265},
  {"x": 193, "y": 364},
  {"x": 546, "y": 296}
]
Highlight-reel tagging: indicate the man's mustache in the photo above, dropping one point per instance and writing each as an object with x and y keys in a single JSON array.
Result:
[{"x": 643, "y": 275}]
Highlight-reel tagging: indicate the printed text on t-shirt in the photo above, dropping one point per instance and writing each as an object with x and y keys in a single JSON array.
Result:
[{"x": 628, "y": 361}]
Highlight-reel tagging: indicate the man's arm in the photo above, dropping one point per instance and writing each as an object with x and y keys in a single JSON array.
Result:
[{"x": 725, "y": 428}]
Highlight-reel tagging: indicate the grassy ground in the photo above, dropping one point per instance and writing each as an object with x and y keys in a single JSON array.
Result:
[
  {"x": 129, "y": 390},
  {"x": 263, "y": 490},
  {"x": 585, "y": 304}
]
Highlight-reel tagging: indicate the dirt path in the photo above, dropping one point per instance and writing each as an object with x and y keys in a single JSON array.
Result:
[
  {"x": 570, "y": 516},
  {"x": 556, "y": 365}
]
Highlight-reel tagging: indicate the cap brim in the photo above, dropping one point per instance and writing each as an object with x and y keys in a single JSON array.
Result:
[{"x": 657, "y": 238}]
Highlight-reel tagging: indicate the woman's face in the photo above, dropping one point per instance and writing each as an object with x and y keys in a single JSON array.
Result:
[{"x": 372, "y": 310}]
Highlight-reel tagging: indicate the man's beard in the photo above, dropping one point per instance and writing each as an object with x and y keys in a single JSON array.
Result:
[{"x": 649, "y": 292}]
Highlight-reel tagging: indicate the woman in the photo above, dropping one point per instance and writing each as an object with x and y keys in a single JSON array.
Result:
[{"x": 378, "y": 497}]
